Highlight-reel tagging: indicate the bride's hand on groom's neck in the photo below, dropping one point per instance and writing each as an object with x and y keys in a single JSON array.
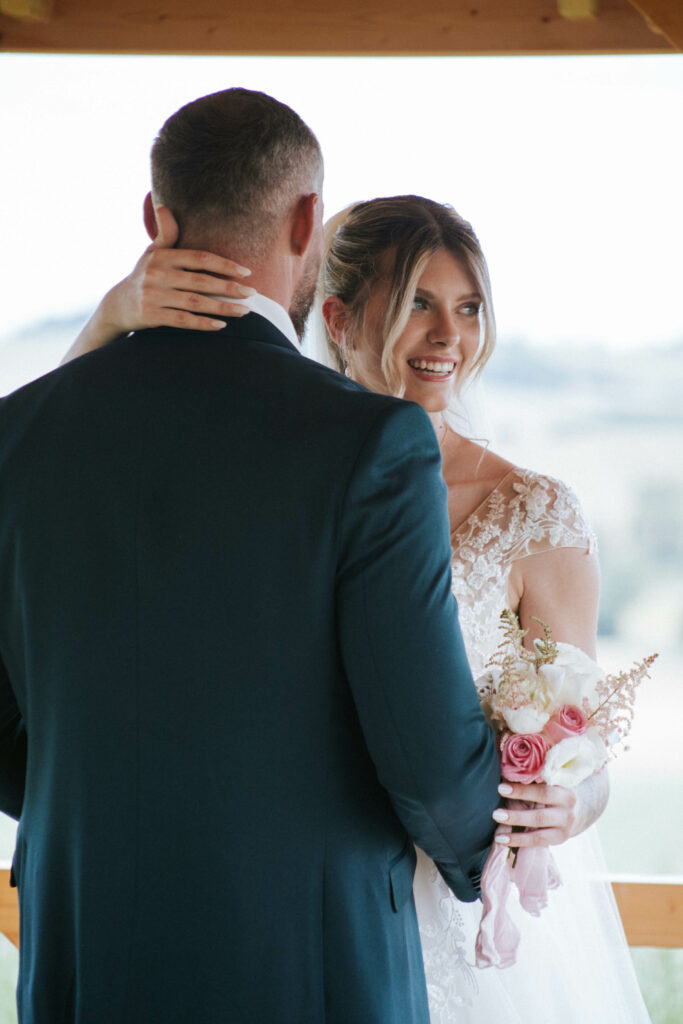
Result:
[{"x": 168, "y": 287}]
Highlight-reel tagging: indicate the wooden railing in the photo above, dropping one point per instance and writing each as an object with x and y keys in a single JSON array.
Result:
[
  {"x": 9, "y": 909},
  {"x": 652, "y": 911}
]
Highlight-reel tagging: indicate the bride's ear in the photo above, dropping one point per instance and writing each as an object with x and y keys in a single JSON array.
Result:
[
  {"x": 336, "y": 318},
  {"x": 161, "y": 225}
]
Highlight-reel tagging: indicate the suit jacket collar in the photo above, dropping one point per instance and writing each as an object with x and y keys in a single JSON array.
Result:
[
  {"x": 254, "y": 327},
  {"x": 272, "y": 311}
]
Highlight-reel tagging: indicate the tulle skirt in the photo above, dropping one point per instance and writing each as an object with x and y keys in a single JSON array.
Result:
[{"x": 573, "y": 967}]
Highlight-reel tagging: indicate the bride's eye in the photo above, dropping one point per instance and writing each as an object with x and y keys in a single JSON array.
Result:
[
  {"x": 471, "y": 308},
  {"x": 419, "y": 303}
]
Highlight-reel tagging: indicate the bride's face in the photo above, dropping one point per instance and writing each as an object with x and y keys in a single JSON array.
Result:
[{"x": 435, "y": 352}]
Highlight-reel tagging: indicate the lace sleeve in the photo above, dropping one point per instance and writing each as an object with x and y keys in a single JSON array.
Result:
[{"x": 546, "y": 514}]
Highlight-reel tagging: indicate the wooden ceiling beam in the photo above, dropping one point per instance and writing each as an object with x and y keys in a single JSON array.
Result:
[
  {"x": 665, "y": 17},
  {"x": 311, "y": 27},
  {"x": 578, "y": 9},
  {"x": 27, "y": 10}
]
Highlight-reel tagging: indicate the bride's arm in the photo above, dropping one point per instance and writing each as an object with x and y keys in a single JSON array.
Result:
[
  {"x": 167, "y": 288},
  {"x": 561, "y": 587}
]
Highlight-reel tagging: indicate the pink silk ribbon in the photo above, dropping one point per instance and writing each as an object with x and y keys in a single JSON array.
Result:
[
  {"x": 498, "y": 937},
  {"x": 535, "y": 873}
]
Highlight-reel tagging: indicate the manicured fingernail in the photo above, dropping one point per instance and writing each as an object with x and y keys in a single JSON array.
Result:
[
  {"x": 504, "y": 789},
  {"x": 243, "y": 271},
  {"x": 218, "y": 324},
  {"x": 500, "y": 815},
  {"x": 502, "y": 840},
  {"x": 247, "y": 290}
]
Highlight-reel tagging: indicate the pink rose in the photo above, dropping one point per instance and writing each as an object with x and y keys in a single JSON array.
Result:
[
  {"x": 568, "y": 721},
  {"x": 522, "y": 757}
]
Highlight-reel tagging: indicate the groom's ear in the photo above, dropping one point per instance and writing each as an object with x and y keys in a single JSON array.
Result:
[
  {"x": 149, "y": 216},
  {"x": 303, "y": 223},
  {"x": 161, "y": 225}
]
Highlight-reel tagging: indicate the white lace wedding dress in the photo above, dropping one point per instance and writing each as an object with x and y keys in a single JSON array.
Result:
[{"x": 574, "y": 965}]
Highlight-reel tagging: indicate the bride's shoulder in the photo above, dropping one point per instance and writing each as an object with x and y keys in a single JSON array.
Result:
[
  {"x": 548, "y": 511},
  {"x": 527, "y": 487},
  {"x": 529, "y": 483}
]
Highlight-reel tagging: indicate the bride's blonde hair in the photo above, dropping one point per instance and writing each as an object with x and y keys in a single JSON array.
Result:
[{"x": 358, "y": 239}]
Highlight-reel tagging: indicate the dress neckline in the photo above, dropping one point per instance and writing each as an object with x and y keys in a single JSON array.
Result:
[{"x": 485, "y": 501}]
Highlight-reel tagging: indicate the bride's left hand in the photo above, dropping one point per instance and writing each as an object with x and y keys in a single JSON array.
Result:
[
  {"x": 168, "y": 287},
  {"x": 557, "y": 815},
  {"x": 171, "y": 287}
]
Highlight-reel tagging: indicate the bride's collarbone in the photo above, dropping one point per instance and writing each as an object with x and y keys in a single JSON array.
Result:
[{"x": 471, "y": 476}]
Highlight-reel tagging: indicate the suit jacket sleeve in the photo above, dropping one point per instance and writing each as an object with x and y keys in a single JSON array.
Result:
[
  {"x": 12, "y": 749},
  {"x": 403, "y": 652}
]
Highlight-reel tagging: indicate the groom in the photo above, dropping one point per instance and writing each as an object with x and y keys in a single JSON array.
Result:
[{"x": 233, "y": 691}]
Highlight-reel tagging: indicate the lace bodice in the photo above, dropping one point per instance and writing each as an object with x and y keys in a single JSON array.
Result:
[{"x": 525, "y": 514}]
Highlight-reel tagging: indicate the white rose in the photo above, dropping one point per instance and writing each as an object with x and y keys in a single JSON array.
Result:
[
  {"x": 572, "y": 677},
  {"x": 572, "y": 760},
  {"x": 489, "y": 679},
  {"x": 533, "y": 709},
  {"x": 528, "y": 718}
]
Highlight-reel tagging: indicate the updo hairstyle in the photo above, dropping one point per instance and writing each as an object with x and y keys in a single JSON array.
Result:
[{"x": 359, "y": 239}]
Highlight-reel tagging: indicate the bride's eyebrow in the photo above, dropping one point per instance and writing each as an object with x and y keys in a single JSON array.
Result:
[{"x": 430, "y": 295}]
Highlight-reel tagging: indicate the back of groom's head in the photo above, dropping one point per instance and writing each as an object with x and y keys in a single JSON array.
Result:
[{"x": 230, "y": 166}]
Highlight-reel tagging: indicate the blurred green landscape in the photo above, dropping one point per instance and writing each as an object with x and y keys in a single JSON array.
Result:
[{"x": 610, "y": 424}]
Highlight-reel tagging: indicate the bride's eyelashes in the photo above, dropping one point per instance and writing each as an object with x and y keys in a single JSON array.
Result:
[{"x": 470, "y": 308}]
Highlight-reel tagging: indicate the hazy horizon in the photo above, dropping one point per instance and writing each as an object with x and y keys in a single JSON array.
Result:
[{"x": 569, "y": 169}]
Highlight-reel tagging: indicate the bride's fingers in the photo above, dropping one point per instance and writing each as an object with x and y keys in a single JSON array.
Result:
[
  {"x": 539, "y": 793},
  {"x": 537, "y": 837},
  {"x": 170, "y": 317},
  {"x": 542, "y": 824},
  {"x": 534, "y": 818},
  {"x": 156, "y": 302},
  {"x": 196, "y": 259},
  {"x": 178, "y": 288},
  {"x": 159, "y": 277}
]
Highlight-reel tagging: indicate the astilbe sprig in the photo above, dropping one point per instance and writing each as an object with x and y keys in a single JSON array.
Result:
[
  {"x": 546, "y": 650},
  {"x": 616, "y": 694},
  {"x": 514, "y": 661}
]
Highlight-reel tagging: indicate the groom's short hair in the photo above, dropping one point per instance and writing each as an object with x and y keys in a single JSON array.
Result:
[{"x": 230, "y": 166}]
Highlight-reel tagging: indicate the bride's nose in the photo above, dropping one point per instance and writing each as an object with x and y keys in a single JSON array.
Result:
[{"x": 444, "y": 331}]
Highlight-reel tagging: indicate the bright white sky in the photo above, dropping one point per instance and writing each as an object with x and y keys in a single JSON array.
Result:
[{"x": 570, "y": 170}]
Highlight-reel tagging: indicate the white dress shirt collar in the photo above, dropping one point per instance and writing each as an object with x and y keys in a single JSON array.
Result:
[{"x": 272, "y": 311}]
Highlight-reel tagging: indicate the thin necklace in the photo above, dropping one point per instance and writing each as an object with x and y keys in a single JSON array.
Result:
[{"x": 443, "y": 435}]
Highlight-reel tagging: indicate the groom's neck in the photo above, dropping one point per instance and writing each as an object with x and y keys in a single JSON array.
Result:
[
  {"x": 273, "y": 279},
  {"x": 273, "y": 274}
]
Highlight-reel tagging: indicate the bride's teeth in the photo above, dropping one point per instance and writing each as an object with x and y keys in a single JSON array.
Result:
[{"x": 433, "y": 367}]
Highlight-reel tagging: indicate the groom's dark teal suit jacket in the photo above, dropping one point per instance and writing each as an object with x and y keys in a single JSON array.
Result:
[{"x": 233, "y": 691}]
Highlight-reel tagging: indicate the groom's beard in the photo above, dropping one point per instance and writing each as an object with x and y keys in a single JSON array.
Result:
[
  {"x": 302, "y": 300},
  {"x": 299, "y": 311}
]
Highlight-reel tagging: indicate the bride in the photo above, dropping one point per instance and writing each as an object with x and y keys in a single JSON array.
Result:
[{"x": 406, "y": 305}]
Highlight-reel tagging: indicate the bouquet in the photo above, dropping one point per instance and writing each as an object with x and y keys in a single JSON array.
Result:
[{"x": 559, "y": 718}]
